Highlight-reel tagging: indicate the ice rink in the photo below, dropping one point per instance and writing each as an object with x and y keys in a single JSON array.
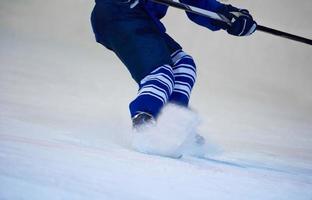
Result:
[{"x": 65, "y": 131}]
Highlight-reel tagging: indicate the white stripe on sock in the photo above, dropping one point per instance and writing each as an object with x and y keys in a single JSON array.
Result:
[
  {"x": 186, "y": 76},
  {"x": 166, "y": 67},
  {"x": 155, "y": 87},
  {"x": 182, "y": 92},
  {"x": 186, "y": 66},
  {"x": 153, "y": 92},
  {"x": 175, "y": 53},
  {"x": 184, "y": 83},
  {"x": 184, "y": 71},
  {"x": 184, "y": 57},
  {"x": 183, "y": 88},
  {"x": 178, "y": 56},
  {"x": 162, "y": 78}
]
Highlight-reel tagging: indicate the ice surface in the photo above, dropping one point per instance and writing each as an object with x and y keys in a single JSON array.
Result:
[{"x": 65, "y": 132}]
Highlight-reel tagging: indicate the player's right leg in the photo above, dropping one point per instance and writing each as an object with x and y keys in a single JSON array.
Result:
[
  {"x": 155, "y": 90},
  {"x": 140, "y": 45}
]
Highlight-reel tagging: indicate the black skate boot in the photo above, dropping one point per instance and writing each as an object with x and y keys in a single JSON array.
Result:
[{"x": 141, "y": 120}]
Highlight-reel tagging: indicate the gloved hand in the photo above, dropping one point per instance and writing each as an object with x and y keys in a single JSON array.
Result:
[{"x": 242, "y": 23}]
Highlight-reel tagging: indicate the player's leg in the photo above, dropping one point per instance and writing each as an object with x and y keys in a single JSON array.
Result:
[
  {"x": 139, "y": 44},
  {"x": 154, "y": 91},
  {"x": 184, "y": 71}
]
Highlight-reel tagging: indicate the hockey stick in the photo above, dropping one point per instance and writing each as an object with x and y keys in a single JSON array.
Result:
[{"x": 220, "y": 17}]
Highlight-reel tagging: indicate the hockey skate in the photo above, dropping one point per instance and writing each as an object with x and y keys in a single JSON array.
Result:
[{"x": 142, "y": 120}]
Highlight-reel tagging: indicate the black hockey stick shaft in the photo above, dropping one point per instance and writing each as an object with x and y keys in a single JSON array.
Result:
[
  {"x": 193, "y": 9},
  {"x": 284, "y": 34},
  {"x": 220, "y": 17}
]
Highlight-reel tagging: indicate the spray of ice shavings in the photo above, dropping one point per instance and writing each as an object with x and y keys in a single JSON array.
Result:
[{"x": 174, "y": 126}]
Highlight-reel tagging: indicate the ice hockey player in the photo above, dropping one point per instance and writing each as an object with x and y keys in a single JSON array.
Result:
[{"x": 163, "y": 71}]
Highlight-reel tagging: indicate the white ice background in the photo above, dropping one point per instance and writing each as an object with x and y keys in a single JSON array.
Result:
[{"x": 65, "y": 132}]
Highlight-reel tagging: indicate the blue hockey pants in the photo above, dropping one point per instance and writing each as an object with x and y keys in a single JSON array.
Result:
[{"x": 152, "y": 57}]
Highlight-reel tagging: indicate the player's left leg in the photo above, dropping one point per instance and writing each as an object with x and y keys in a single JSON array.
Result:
[{"x": 184, "y": 71}]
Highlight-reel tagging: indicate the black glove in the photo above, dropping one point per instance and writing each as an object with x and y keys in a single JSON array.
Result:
[{"x": 242, "y": 23}]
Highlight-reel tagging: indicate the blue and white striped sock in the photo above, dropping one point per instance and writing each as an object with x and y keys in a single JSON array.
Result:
[
  {"x": 184, "y": 71},
  {"x": 155, "y": 90}
]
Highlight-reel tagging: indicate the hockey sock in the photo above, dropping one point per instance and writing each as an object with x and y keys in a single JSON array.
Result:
[
  {"x": 184, "y": 71},
  {"x": 154, "y": 91}
]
